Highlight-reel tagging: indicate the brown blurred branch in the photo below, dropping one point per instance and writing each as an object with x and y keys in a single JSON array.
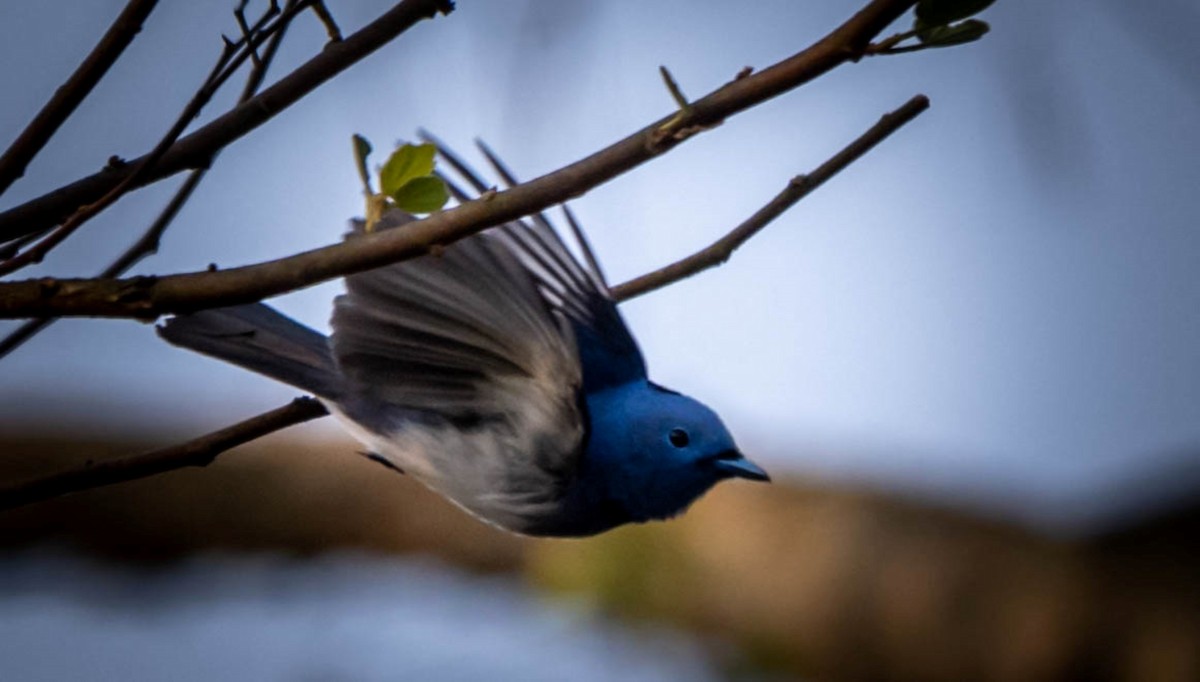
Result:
[
  {"x": 148, "y": 243},
  {"x": 149, "y": 297},
  {"x": 194, "y": 453},
  {"x": 799, "y": 187},
  {"x": 196, "y": 150},
  {"x": 71, "y": 93}
]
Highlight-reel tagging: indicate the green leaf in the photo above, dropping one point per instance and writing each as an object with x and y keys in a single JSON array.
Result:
[
  {"x": 407, "y": 163},
  {"x": 932, "y": 13},
  {"x": 425, "y": 194},
  {"x": 956, "y": 34},
  {"x": 362, "y": 149}
]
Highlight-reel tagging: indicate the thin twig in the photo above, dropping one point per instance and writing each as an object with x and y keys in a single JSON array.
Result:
[
  {"x": 887, "y": 45},
  {"x": 144, "y": 246},
  {"x": 68, "y": 96},
  {"x": 800, "y": 186},
  {"x": 331, "y": 28},
  {"x": 681, "y": 101},
  {"x": 149, "y": 297},
  {"x": 902, "y": 49},
  {"x": 673, "y": 87},
  {"x": 196, "y": 149},
  {"x": 194, "y": 453},
  {"x": 14, "y": 247},
  {"x": 239, "y": 14},
  {"x": 232, "y": 56},
  {"x": 148, "y": 243}
]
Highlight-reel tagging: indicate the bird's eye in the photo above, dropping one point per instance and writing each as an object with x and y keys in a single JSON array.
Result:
[{"x": 678, "y": 438}]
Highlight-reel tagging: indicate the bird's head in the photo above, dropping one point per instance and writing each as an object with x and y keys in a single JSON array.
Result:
[{"x": 674, "y": 449}]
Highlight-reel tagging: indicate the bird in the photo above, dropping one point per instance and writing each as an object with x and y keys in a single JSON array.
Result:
[{"x": 497, "y": 371}]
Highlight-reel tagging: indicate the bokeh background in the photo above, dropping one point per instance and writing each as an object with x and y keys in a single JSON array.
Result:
[{"x": 970, "y": 359}]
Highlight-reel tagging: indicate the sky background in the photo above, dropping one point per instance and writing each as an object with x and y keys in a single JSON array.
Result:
[{"x": 996, "y": 307}]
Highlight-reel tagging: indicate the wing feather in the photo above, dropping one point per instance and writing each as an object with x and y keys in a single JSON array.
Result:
[
  {"x": 463, "y": 376},
  {"x": 468, "y": 367},
  {"x": 608, "y": 352}
]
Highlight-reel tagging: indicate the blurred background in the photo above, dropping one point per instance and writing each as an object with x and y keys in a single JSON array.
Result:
[{"x": 969, "y": 360}]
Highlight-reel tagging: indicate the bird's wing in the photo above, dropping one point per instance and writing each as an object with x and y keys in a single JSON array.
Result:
[
  {"x": 474, "y": 381},
  {"x": 608, "y": 353}
]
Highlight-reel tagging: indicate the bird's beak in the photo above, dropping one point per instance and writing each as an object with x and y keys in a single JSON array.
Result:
[{"x": 735, "y": 464}]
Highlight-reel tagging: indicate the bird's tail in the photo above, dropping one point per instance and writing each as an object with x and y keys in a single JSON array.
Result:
[{"x": 261, "y": 339}]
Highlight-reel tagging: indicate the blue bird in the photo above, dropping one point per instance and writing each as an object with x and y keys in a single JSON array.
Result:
[{"x": 498, "y": 372}]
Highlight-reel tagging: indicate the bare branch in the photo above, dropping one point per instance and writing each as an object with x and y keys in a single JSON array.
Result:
[
  {"x": 14, "y": 247},
  {"x": 673, "y": 87},
  {"x": 68, "y": 96},
  {"x": 149, "y": 297},
  {"x": 886, "y": 45},
  {"x": 232, "y": 56},
  {"x": 196, "y": 150},
  {"x": 331, "y": 28},
  {"x": 239, "y": 13},
  {"x": 194, "y": 453},
  {"x": 799, "y": 187},
  {"x": 148, "y": 242}
]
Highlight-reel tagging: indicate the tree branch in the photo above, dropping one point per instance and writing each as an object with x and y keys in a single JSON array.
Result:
[
  {"x": 196, "y": 150},
  {"x": 232, "y": 57},
  {"x": 194, "y": 453},
  {"x": 70, "y": 94},
  {"x": 149, "y": 297},
  {"x": 799, "y": 187},
  {"x": 148, "y": 243},
  {"x": 331, "y": 28}
]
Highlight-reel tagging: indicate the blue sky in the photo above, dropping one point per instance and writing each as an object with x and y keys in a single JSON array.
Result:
[{"x": 996, "y": 307}]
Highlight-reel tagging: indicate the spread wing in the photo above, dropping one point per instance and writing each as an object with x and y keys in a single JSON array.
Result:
[
  {"x": 608, "y": 353},
  {"x": 467, "y": 367},
  {"x": 457, "y": 371},
  {"x": 435, "y": 334}
]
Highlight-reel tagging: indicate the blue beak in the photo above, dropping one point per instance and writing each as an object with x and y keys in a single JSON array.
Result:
[{"x": 735, "y": 465}]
